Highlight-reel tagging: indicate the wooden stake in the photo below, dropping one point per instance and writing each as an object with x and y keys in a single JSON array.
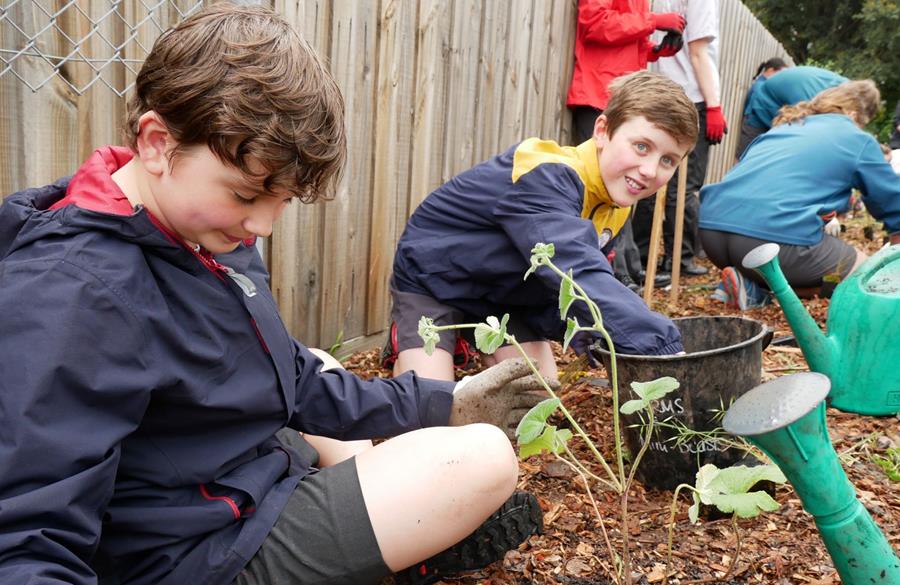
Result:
[
  {"x": 679, "y": 232},
  {"x": 659, "y": 213}
]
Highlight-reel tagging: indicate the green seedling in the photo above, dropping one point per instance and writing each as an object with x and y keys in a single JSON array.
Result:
[
  {"x": 535, "y": 435},
  {"x": 729, "y": 491},
  {"x": 889, "y": 463}
]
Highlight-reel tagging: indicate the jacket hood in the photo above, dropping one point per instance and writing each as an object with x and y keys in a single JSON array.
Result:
[{"x": 87, "y": 201}]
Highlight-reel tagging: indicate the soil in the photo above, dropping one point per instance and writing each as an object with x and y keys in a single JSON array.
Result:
[{"x": 780, "y": 547}]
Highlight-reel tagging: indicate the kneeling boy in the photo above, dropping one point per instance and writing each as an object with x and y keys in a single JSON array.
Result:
[{"x": 467, "y": 246}]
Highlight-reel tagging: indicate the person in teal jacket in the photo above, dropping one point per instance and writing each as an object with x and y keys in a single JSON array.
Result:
[
  {"x": 787, "y": 87},
  {"x": 802, "y": 169}
]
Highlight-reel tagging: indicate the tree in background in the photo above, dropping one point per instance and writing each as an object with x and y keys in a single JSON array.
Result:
[{"x": 857, "y": 38}]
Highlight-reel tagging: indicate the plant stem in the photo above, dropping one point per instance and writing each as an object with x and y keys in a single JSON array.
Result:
[
  {"x": 644, "y": 447},
  {"x": 617, "y": 484},
  {"x": 672, "y": 511},
  {"x": 587, "y": 489},
  {"x": 613, "y": 375},
  {"x": 587, "y": 471}
]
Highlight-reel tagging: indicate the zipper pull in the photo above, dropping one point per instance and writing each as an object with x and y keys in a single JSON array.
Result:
[{"x": 241, "y": 280}]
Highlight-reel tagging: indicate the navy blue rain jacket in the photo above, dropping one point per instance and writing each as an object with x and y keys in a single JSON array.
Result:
[
  {"x": 469, "y": 243},
  {"x": 140, "y": 389}
]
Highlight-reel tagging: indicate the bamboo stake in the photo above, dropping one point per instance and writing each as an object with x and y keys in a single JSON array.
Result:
[
  {"x": 679, "y": 232},
  {"x": 659, "y": 213}
]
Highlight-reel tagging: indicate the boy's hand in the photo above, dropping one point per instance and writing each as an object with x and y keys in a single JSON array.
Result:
[
  {"x": 500, "y": 395},
  {"x": 668, "y": 21},
  {"x": 715, "y": 124}
]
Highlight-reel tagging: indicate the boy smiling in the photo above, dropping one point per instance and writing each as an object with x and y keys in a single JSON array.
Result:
[{"x": 466, "y": 248}]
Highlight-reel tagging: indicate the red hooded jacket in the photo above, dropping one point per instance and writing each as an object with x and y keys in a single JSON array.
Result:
[{"x": 612, "y": 39}]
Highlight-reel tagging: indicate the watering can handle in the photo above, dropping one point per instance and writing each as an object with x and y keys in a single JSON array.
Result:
[{"x": 767, "y": 337}]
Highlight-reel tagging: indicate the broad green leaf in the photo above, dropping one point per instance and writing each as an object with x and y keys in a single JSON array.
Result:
[
  {"x": 552, "y": 440},
  {"x": 740, "y": 478},
  {"x": 726, "y": 489},
  {"x": 571, "y": 330},
  {"x": 490, "y": 336},
  {"x": 632, "y": 406},
  {"x": 747, "y": 505},
  {"x": 648, "y": 392},
  {"x": 566, "y": 295},
  {"x": 428, "y": 334},
  {"x": 534, "y": 421},
  {"x": 655, "y": 389}
]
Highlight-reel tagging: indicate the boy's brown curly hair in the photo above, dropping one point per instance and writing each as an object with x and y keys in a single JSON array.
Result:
[{"x": 241, "y": 81}]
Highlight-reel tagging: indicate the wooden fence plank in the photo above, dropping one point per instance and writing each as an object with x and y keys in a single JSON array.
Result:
[
  {"x": 491, "y": 75},
  {"x": 391, "y": 147},
  {"x": 430, "y": 101},
  {"x": 345, "y": 243},
  {"x": 515, "y": 80},
  {"x": 295, "y": 261},
  {"x": 463, "y": 96}
]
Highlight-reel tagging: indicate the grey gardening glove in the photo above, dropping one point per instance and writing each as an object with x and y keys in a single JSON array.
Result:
[{"x": 500, "y": 395}]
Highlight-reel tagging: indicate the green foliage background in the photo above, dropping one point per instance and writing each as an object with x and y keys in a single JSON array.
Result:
[{"x": 857, "y": 38}]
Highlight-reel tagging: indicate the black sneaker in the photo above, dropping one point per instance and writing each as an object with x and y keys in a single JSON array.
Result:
[
  {"x": 629, "y": 282},
  {"x": 504, "y": 530}
]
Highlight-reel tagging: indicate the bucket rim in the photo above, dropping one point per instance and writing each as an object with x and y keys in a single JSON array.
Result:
[{"x": 764, "y": 331}]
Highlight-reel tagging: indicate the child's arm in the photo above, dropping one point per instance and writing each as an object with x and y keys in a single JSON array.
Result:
[
  {"x": 340, "y": 405},
  {"x": 71, "y": 361}
]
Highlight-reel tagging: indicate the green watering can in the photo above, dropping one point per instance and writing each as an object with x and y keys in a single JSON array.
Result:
[
  {"x": 861, "y": 350},
  {"x": 786, "y": 419}
]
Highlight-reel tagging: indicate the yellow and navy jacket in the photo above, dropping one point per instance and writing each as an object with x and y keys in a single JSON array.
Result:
[{"x": 469, "y": 243}]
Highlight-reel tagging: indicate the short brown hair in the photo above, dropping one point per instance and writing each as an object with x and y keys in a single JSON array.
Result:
[
  {"x": 658, "y": 99},
  {"x": 241, "y": 81},
  {"x": 860, "y": 97}
]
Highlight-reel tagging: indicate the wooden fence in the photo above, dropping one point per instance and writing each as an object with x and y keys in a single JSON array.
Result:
[{"x": 431, "y": 86}]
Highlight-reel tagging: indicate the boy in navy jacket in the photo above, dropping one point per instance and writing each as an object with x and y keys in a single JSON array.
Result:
[
  {"x": 467, "y": 246},
  {"x": 145, "y": 372}
]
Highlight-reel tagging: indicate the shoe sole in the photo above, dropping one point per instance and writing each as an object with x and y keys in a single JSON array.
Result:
[
  {"x": 732, "y": 284},
  {"x": 504, "y": 530}
]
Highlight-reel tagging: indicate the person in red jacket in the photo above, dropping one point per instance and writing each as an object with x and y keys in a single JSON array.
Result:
[{"x": 613, "y": 39}]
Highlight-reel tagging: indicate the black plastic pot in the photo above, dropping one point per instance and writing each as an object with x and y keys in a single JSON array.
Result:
[{"x": 723, "y": 360}]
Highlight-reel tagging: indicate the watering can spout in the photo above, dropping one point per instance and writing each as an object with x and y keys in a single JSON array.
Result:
[{"x": 818, "y": 349}]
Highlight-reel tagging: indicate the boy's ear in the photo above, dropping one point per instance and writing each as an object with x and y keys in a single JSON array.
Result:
[
  {"x": 600, "y": 136},
  {"x": 154, "y": 143}
]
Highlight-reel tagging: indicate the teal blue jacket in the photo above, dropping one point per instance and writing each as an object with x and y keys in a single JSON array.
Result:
[{"x": 796, "y": 173}]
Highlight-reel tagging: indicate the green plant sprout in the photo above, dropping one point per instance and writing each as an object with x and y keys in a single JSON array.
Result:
[
  {"x": 727, "y": 490},
  {"x": 535, "y": 435},
  {"x": 889, "y": 463}
]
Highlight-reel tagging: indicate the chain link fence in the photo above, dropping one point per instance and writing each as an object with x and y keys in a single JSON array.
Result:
[{"x": 82, "y": 43}]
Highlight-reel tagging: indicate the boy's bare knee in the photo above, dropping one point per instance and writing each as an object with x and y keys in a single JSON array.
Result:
[{"x": 494, "y": 454}]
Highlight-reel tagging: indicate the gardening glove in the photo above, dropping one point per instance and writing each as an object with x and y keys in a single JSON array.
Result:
[
  {"x": 833, "y": 227},
  {"x": 716, "y": 127},
  {"x": 581, "y": 345},
  {"x": 500, "y": 395},
  {"x": 669, "y": 21},
  {"x": 668, "y": 47}
]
